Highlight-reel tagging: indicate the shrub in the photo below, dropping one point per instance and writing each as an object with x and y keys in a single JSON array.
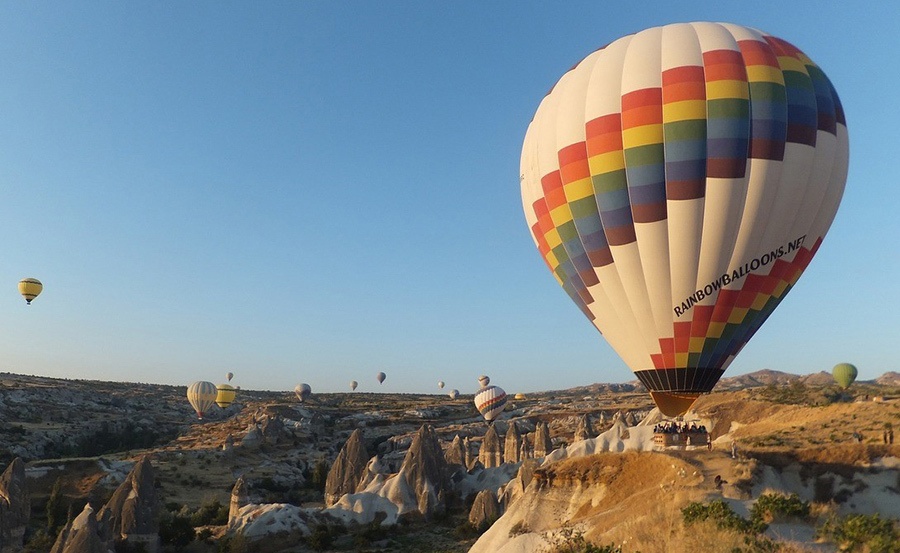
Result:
[
  {"x": 770, "y": 507},
  {"x": 320, "y": 538},
  {"x": 176, "y": 530},
  {"x": 869, "y": 533},
  {"x": 211, "y": 513},
  {"x": 722, "y": 515},
  {"x": 570, "y": 540}
]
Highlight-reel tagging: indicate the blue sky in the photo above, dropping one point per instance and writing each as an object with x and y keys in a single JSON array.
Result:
[{"x": 318, "y": 191}]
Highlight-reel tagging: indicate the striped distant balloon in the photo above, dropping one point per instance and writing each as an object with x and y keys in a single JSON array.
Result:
[
  {"x": 454, "y": 393},
  {"x": 225, "y": 394},
  {"x": 484, "y": 380},
  {"x": 201, "y": 396},
  {"x": 677, "y": 182},
  {"x": 490, "y": 401},
  {"x": 30, "y": 288}
]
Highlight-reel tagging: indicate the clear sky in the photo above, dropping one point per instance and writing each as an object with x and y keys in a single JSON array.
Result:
[{"x": 318, "y": 191}]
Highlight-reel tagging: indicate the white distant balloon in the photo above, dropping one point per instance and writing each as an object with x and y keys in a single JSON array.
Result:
[
  {"x": 229, "y": 376},
  {"x": 353, "y": 384},
  {"x": 302, "y": 390},
  {"x": 454, "y": 393},
  {"x": 201, "y": 396},
  {"x": 380, "y": 377},
  {"x": 441, "y": 384},
  {"x": 484, "y": 380}
]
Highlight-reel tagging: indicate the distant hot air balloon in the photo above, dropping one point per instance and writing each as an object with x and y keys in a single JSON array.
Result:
[
  {"x": 484, "y": 380},
  {"x": 677, "y": 182},
  {"x": 844, "y": 374},
  {"x": 380, "y": 377},
  {"x": 302, "y": 390},
  {"x": 454, "y": 393},
  {"x": 201, "y": 396},
  {"x": 519, "y": 396},
  {"x": 441, "y": 384},
  {"x": 225, "y": 394},
  {"x": 229, "y": 376},
  {"x": 353, "y": 384},
  {"x": 30, "y": 288},
  {"x": 490, "y": 401}
]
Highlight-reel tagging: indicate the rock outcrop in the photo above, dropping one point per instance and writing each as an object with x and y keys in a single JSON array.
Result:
[
  {"x": 81, "y": 535},
  {"x": 455, "y": 455},
  {"x": 239, "y": 498},
  {"x": 132, "y": 513},
  {"x": 272, "y": 429},
  {"x": 425, "y": 472},
  {"x": 512, "y": 450},
  {"x": 485, "y": 510},
  {"x": 467, "y": 445},
  {"x": 348, "y": 469},
  {"x": 584, "y": 429},
  {"x": 542, "y": 443},
  {"x": 15, "y": 507},
  {"x": 253, "y": 438},
  {"x": 490, "y": 454}
]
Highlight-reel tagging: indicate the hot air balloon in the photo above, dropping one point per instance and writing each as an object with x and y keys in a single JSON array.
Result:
[
  {"x": 454, "y": 393},
  {"x": 844, "y": 374},
  {"x": 380, "y": 377},
  {"x": 225, "y": 394},
  {"x": 30, "y": 288},
  {"x": 302, "y": 390},
  {"x": 677, "y": 182},
  {"x": 353, "y": 384},
  {"x": 441, "y": 384},
  {"x": 484, "y": 380},
  {"x": 201, "y": 396},
  {"x": 519, "y": 396},
  {"x": 229, "y": 376},
  {"x": 490, "y": 401}
]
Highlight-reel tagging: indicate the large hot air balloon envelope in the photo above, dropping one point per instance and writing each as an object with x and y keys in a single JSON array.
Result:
[
  {"x": 302, "y": 391},
  {"x": 677, "y": 182},
  {"x": 201, "y": 396},
  {"x": 30, "y": 288},
  {"x": 490, "y": 401},
  {"x": 380, "y": 377},
  {"x": 225, "y": 394},
  {"x": 353, "y": 384},
  {"x": 844, "y": 374}
]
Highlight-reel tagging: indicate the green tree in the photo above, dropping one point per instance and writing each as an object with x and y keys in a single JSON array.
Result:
[{"x": 57, "y": 508}]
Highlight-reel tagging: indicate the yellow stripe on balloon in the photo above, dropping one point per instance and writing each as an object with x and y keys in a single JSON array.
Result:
[
  {"x": 737, "y": 315},
  {"x": 696, "y": 345},
  {"x": 718, "y": 90},
  {"x": 561, "y": 215},
  {"x": 643, "y": 135},
  {"x": 686, "y": 110},
  {"x": 607, "y": 163},
  {"x": 760, "y": 301},
  {"x": 715, "y": 330},
  {"x": 764, "y": 73},
  {"x": 790, "y": 63},
  {"x": 579, "y": 189}
]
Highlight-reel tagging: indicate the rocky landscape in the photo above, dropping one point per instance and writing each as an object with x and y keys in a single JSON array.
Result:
[{"x": 102, "y": 466}]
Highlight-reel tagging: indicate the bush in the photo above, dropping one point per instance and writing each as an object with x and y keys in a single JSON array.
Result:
[
  {"x": 211, "y": 513},
  {"x": 320, "y": 539},
  {"x": 722, "y": 515},
  {"x": 770, "y": 507},
  {"x": 176, "y": 530},
  {"x": 233, "y": 544},
  {"x": 570, "y": 540},
  {"x": 869, "y": 533}
]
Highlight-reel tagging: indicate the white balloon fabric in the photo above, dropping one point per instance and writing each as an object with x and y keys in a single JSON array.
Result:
[
  {"x": 484, "y": 380},
  {"x": 454, "y": 393},
  {"x": 229, "y": 376},
  {"x": 441, "y": 384},
  {"x": 490, "y": 401},
  {"x": 353, "y": 384},
  {"x": 677, "y": 182},
  {"x": 202, "y": 396}
]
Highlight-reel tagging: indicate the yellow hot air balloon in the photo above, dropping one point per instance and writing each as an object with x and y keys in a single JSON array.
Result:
[
  {"x": 30, "y": 288},
  {"x": 225, "y": 394},
  {"x": 677, "y": 182},
  {"x": 201, "y": 396}
]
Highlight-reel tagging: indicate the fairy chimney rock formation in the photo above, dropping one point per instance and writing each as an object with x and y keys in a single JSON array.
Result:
[
  {"x": 239, "y": 498},
  {"x": 425, "y": 472},
  {"x": 131, "y": 514},
  {"x": 467, "y": 445},
  {"x": 15, "y": 507},
  {"x": 273, "y": 429},
  {"x": 456, "y": 453},
  {"x": 512, "y": 451},
  {"x": 81, "y": 535},
  {"x": 347, "y": 470},
  {"x": 542, "y": 443},
  {"x": 584, "y": 430},
  {"x": 490, "y": 454},
  {"x": 485, "y": 510}
]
